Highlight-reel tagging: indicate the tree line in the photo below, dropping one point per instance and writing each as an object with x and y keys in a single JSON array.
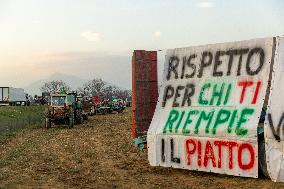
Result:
[{"x": 94, "y": 87}]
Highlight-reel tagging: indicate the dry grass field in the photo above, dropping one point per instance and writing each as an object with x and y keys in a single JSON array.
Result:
[{"x": 97, "y": 154}]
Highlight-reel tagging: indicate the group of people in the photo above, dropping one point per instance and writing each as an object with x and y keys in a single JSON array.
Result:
[{"x": 37, "y": 100}]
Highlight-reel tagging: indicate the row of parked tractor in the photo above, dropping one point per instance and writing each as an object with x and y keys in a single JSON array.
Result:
[{"x": 71, "y": 108}]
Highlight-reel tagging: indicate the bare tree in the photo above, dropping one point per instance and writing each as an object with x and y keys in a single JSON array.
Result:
[
  {"x": 122, "y": 94},
  {"x": 93, "y": 87},
  {"x": 98, "y": 87},
  {"x": 109, "y": 91},
  {"x": 55, "y": 87},
  {"x": 125, "y": 94},
  {"x": 112, "y": 91}
]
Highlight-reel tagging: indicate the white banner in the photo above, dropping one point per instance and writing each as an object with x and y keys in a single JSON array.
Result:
[
  {"x": 274, "y": 123},
  {"x": 209, "y": 107}
]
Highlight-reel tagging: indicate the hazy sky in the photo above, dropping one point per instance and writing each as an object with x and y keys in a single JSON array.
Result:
[{"x": 84, "y": 38}]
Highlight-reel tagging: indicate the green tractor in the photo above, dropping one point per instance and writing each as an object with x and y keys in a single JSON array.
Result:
[
  {"x": 87, "y": 107},
  {"x": 63, "y": 109},
  {"x": 117, "y": 105},
  {"x": 104, "y": 106}
]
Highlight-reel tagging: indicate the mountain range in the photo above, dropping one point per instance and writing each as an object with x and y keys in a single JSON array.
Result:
[{"x": 73, "y": 81}]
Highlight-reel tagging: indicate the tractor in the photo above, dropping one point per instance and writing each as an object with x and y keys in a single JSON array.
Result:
[
  {"x": 64, "y": 109},
  {"x": 87, "y": 107},
  {"x": 104, "y": 106},
  {"x": 100, "y": 105},
  {"x": 117, "y": 105}
]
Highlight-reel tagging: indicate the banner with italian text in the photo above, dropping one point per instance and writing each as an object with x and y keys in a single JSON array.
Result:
[{"x": 209, "y": 107}]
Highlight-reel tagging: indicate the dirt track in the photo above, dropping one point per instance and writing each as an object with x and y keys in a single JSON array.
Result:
[{"x": 98, "y": 154}]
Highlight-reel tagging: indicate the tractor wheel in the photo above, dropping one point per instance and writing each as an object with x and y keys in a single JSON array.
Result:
[
  {"x": 85, "y": 116},
  {"x": 45, "y": 115},
  {"x": 71, "y": 118},
  {"x": 79, "y": 117},
  {"x": 92, "y": 112},
  {"x": 104, "y": 111},
  {"x": 71, "y": 122},
  {"x": 109, "y": 111},
  {"x": 47, "y": 123}
]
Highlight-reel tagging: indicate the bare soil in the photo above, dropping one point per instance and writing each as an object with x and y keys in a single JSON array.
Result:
[{"x": 97, "y": 154}]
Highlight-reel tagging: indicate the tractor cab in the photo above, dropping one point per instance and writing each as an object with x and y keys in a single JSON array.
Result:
[
  {"x": 63, "y": 109},
  {"x": 57, "y": 106},
  {"x": 58, "y": 100}
]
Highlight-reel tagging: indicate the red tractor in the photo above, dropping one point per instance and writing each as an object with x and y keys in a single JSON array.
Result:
[{"x": 63, "y": 109}]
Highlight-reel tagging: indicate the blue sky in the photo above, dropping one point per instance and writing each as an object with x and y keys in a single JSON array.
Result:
[{"x": 73, "y": 33}]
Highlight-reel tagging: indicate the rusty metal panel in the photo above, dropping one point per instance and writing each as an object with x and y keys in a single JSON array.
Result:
[
  {"x": 144, "y": 90},
  {"x": 146, "y": 70},
  {"x": 133, "y": 102},
  {"x": 146, "y": 111}
]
